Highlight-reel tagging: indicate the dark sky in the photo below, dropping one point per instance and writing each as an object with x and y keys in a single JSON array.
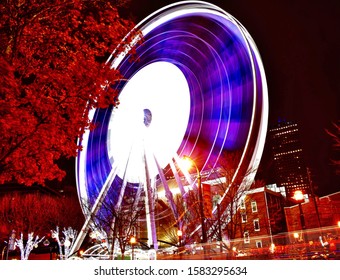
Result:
[{"x": 299, "y": 44}]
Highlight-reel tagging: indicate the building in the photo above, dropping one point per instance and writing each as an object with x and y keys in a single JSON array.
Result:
[
  {"x": 265, "y": 220},
  {"x": 262, "y": 218},
  {"x": 37, "y": 208},
  {"x": 316, "y": 217},
  {"x": 290, "y": 170}
]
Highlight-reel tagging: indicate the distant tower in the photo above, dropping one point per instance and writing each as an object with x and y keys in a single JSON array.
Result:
[{"x": 290, "y": 168}]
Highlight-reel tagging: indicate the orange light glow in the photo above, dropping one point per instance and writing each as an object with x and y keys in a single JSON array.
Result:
[
  {"x": 132, "y": 240},
  {"x": 186, "y": 163},
  {"x": 298, "y": 195}
]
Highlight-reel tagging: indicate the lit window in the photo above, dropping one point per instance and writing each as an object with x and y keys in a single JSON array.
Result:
[
  {"x": 253, "y": 206},
  {"x": 256, "y": 225},
  {"x": 246, "y": 237}
]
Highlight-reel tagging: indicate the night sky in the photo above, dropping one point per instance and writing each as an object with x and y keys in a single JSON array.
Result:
[{"x": 299, "y": 44}]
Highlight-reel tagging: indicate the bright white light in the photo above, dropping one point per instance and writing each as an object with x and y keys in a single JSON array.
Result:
[
  {"x": 298, "y": 195},
  {"x": 151, "y": 120},
  {"x": 186, "y": 163}
]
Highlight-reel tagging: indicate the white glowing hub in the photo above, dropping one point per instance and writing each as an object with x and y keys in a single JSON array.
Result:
[{"x": 151, "y": 120}]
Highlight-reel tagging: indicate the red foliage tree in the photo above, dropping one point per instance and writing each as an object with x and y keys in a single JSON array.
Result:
[
  {"x": 52, "y": 67},
  {"x": 38, "y": 213}
]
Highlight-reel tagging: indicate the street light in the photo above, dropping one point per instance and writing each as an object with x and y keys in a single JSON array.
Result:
[
  {"x": 188, "y": 162},
  {"x": 298, "y": 196},
  {"x": 133, "y": 241}
]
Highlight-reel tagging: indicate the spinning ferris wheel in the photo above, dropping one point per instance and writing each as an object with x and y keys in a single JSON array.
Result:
[{"x": 197, "y": 89}]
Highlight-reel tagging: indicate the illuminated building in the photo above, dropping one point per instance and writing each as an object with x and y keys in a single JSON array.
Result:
[{"x": 290, "y": 170}]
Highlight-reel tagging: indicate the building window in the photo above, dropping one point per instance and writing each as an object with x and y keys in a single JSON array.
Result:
[
  {"x": 256, "y": 225},
  {"x": 243, "y": 204},
  {"x": 243, "y": 217},
  {"x": 253, "y": 206},
  {"x": 246, "y": 237},
  {"x": 258, "y": 244}
]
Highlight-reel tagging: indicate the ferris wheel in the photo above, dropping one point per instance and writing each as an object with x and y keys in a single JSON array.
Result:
[{"x": 198, "y": 88}]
